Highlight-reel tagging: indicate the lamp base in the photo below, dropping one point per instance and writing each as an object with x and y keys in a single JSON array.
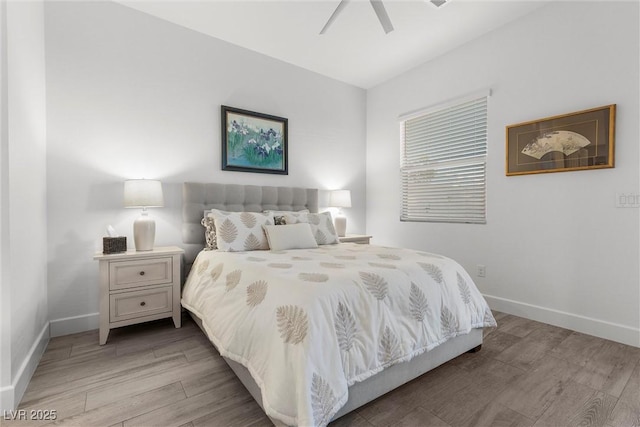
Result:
[
  {"x": 340, "y": 222},
  {"x": 144, "y": 232}
]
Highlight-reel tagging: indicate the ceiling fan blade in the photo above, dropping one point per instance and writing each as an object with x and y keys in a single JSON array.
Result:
[
  {"x": 334, "y": 15},
  {"x": 383, "y": 17}
]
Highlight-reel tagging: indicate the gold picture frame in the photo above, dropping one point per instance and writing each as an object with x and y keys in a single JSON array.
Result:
[{"x": 568, "y": 142}]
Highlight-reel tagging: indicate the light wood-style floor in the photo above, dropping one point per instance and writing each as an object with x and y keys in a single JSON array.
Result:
[{"x": 527, "y": 374}]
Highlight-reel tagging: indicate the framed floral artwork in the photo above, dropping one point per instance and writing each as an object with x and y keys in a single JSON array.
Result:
[
  {"x": 574, "y": 141},
  {"x": 254, "y": 142}
]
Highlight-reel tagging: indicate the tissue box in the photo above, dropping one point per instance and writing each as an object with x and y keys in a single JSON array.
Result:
[{"x": 114, "y": 245}]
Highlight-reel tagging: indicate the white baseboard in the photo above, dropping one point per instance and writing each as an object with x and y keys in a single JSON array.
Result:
[
  {"x": 10, "y": 396},
  {"x": 7, "y": 401},
  {"x": 75, "y": 324},
  {"x": 587, "y": 325}
]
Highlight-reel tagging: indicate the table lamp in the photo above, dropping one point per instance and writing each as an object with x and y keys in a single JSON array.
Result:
[
  {"x": 143, "y": 193},
  {"x": 340, "y": 199}
]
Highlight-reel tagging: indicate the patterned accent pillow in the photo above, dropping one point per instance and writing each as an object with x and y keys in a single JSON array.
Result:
[
  {"x": 281, "y": 214},
  {"x": 240, "y": 231},
  {"x": 321, "y": 226},
  {"x": 209, "y": 233}
]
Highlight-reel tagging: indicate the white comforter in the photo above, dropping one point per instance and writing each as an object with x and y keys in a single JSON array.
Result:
[{"x": 309, "y": 323}]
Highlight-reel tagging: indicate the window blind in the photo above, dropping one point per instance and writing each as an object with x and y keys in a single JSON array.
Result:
[{"x": 444, "y": 164}]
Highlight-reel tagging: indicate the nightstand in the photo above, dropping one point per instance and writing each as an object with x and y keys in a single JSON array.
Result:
[
  {"x": 136, "y": 287},
  {"x": 362, "y": 239}
]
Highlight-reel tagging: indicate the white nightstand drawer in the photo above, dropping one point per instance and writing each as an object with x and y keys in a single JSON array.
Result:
[
  {"x": 130, "y": 305},
  {"x": 129, "y": 274}
]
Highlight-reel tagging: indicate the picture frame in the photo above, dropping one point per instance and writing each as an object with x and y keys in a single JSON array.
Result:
[
  {"x": 576, "y": 141},
  {"x": 254, "y": 142}
]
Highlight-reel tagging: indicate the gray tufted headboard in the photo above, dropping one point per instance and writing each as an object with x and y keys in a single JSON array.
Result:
[{"x": 198, "y": 197}]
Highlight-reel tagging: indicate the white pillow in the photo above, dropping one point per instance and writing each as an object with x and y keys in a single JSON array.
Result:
[
  {"x": 210, "y": 229},
  {"x": 293, "y": 236},
  {"x": 240, "y": 231},
  {"x": 321, "y": 225}
]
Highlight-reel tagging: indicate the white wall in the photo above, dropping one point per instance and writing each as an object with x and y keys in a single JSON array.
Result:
[
  {"x": 132, "y": 96},
  {"x": 6, "y": 390},
  {"x": 24, "y": 222},
  {"x": 555, "y": 247}
]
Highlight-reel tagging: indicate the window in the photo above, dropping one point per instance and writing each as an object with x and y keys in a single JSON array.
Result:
[{"x": 443, "y": 158}]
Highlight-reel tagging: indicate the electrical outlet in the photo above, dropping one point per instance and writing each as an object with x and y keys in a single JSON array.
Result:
[
  {"x": 627, "y": 200},
  {"x": 482, "y": 270}
]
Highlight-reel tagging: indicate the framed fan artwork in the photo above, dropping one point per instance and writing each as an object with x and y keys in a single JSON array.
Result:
[
  {"x": 254, "y": 142},
  {"x": 575, "y": 141}
]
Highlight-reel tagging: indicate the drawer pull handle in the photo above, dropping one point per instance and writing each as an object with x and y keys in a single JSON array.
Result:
[
  {"x": 143, "y": 303},
  {"x": 142, "y": 273}
]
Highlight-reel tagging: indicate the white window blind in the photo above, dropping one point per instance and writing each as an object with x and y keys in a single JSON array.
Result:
[{"x": 444, "y": 162}]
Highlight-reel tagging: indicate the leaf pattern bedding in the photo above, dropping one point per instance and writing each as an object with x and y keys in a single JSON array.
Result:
[{"x": 309, "y": 323}]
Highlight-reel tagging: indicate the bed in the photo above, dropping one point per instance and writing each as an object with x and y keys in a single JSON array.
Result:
[{"x": 316, "y": 332}]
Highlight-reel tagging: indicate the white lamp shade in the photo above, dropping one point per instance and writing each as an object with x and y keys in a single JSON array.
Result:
[
  {"x": 340, "y": 199},
  {"x": 143, "y": 193}
]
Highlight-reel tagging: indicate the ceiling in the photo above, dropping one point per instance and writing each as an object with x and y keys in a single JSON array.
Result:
[{"x": 355, "y": 48}]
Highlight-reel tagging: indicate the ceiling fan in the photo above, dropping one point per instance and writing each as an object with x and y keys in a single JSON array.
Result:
[{"x": 378, "y": 7}]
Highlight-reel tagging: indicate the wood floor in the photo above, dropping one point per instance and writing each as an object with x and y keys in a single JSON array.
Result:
[{"x": 527, "y": 374}]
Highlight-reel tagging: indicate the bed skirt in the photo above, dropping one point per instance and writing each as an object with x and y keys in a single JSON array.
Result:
[{"x": 373, "y": 387}]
